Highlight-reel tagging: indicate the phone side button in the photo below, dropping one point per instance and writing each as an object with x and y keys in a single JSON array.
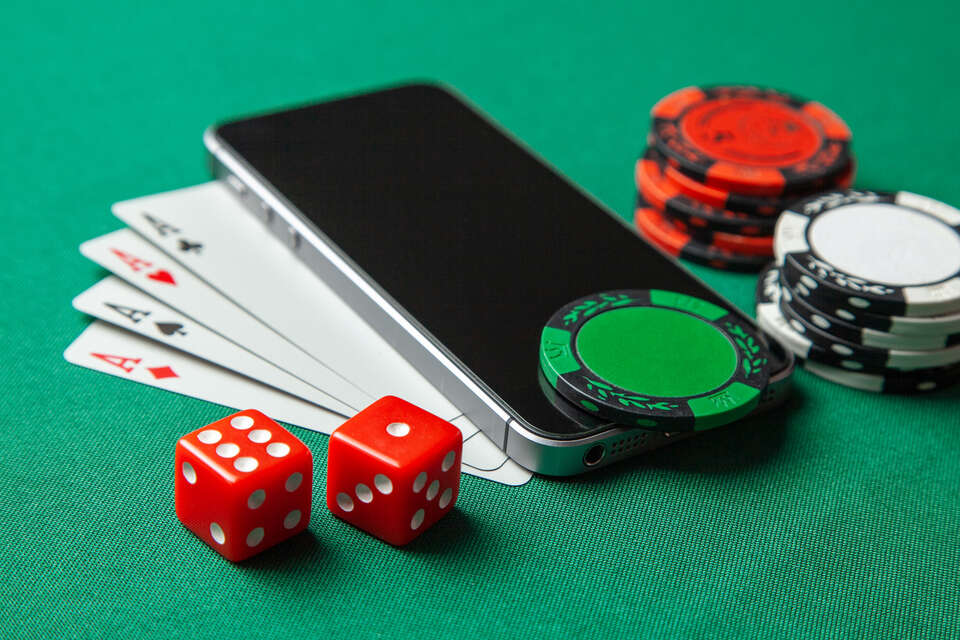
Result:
[
  {"x": 293, "y": 238},
  {"x": 237, "y": 185},
  {"x": 265, "y": 213}
]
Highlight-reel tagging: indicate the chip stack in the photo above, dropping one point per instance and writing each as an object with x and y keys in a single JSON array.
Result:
[
  {"x": 722, "y": 163},
  {"x": 865, "y": 289}
]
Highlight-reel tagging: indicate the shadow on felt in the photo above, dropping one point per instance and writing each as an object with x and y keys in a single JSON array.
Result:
[
  {"x": 448, "y": 535},
  {"x": 291, "y": 555},
  {"x": 745, "y": 444}
]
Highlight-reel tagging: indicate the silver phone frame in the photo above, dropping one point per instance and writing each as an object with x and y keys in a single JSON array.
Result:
[{"x": 504, "y": 426}]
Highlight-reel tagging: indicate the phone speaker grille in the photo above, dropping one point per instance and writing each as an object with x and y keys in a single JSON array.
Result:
[{"x": 628, "y": 443}]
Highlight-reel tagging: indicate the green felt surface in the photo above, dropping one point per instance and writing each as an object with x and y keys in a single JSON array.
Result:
[{"x": 838, "y": 517}]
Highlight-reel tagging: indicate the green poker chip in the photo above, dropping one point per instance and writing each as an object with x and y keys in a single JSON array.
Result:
[{"x": 655, "y": 359}]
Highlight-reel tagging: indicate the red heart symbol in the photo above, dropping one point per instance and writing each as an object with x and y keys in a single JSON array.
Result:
[{"x": 162, "y": 276}]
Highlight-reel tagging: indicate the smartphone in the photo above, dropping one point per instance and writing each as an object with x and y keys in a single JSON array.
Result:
[{"x": 457, "y": 243}]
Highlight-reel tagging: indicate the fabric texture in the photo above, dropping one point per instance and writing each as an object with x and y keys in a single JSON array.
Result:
[{"x": 838, "y": 516}]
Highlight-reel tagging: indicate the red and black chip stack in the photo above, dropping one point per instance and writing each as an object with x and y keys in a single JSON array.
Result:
[{"x": 722, "y": 163}]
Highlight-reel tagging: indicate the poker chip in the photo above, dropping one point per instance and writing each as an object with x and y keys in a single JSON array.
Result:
[
  {"x": 893, "y": 254},
  {"x": 721, "y": 165},
  {"x": 666, "y": 196},
  {"x": 866, "y": 356},
  {"x": 733, "y": 201},
  {"x": 744, "y": 245},
  {"x": 655, "y": 359},
  {"x": 752, "y": 140},
  {"x": 775, "y": 394},
  {"x": 779, "y": 386},
  {"x": 573, "y": 412},
  {"x": 795, "y": 307},
  {"x": 936, "y": 325},
  {"x": 916, "y": 381},
  {"x": 811, "y": 343},
  {"x": 662, "y": 234}
]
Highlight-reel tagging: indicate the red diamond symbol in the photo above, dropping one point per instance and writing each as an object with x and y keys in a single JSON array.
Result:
[{"x": 162, "y": 372}]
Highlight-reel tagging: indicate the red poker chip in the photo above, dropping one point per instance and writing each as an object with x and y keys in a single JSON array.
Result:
[
  {"x": 752, "y": 140},
  {"x": 743, "y": 245},
  {"x": 659, "y": 232},
  {"x": 664, "y": 195},
  {"x": 769, "y": 206}
]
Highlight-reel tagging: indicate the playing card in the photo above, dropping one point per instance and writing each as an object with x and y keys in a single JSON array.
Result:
[
  {"x": 235, "y": 255},
  {"x": 122, "y": 304},
  {"x": 207, "y": 230},
  {"x": 134, "y": 259},
  {"x": 120, "y": 353},
  {"x": 215, "y": 348},
  {"x": 127, "y": 355}
]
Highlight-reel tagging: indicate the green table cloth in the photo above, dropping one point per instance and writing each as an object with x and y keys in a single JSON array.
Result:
[{"x": 838, "y": 516}]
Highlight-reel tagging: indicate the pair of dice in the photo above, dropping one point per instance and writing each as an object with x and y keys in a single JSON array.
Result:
[{"x": 244, "y": 483}]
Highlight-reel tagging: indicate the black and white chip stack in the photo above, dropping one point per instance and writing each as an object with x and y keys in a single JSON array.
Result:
[{"x": 865, "y": 288}]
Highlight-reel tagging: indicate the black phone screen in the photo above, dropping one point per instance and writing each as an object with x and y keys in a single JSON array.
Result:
[{"x": 468, "y": 231}]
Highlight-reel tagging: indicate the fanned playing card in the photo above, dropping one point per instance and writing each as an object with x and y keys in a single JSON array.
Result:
[
  {"x": 114, "y": 351},
  {"x": 129, "y": 256},
  {"x": 258, "y": 273},
  {"x": 225, "y": 301}
]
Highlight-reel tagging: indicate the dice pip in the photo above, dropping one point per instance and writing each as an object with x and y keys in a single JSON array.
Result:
[
  {"x": 393, "y": 470},
  {"x": 243, "y": 484}
]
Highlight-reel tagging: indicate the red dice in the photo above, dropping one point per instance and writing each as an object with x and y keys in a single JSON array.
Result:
[
  {"x": 393, "y": 470},
  {"x": 243, "y": 484}
]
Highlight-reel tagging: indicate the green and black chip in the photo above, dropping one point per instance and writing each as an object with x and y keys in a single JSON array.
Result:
[{"x": 655, "y": 359}]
